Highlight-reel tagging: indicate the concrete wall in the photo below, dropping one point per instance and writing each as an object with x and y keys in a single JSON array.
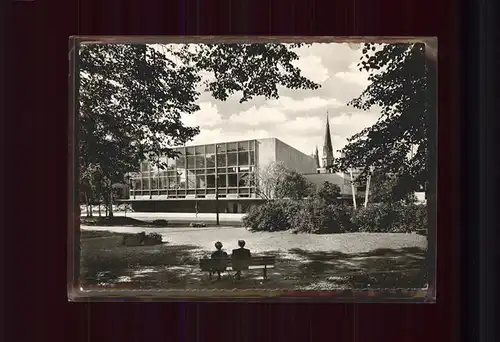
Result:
[
  {"x": 265, "y": 152},
  {"x": 272, "y": 149},
  {"x": 189, "y": 206},
  {"x": 294, "y": 159},
  {"x": 335, "y": 178}
]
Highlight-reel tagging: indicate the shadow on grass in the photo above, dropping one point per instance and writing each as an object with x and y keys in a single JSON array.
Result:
[
  {"x": 379, "y": 268},
  {"x": 105, "y": 260}
]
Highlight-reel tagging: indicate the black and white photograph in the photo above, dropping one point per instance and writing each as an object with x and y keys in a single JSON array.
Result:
[{"x": 265, "y": 165}]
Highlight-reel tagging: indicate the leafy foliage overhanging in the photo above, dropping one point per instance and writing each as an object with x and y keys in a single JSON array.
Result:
[
  {"x": 404, "y": 87},
  {"x": 131, "y": 97}
]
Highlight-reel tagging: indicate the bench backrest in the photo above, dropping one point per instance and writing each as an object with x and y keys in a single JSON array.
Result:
[{"x": 208, "y": 264}]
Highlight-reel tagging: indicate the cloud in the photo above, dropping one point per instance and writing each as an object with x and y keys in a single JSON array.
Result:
[
  {"x": 210, "y": 136},
  {"x": 312, "y": 68},
  {"x": 298, "y": 116},
  {"x": 207, "y": 116},
  {"x": 256, "y": 116},
  {"x": 353, "y": 75},
  {"x": 303, "y": 125},
  {"x": 287, "y": 103}
]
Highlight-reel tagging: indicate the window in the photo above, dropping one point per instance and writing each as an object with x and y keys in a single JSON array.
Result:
[
  {"x": 232, "y": 169},
  {"x": 200, "y": 181},
  {"x": 243, "y": 158},
  {"x": 199, "y": 150},
  {"x": 200, "y": 162},
  {"x": 210, "y": 149},
  {"x": 172, "y": 182},
  {"x": 210, "y": 181},
  {"x": 145, "y": 184},
  {"x": 221, "y": 148},
  {"x": 243, "y": 179},
  {"x": 232, "y": 159},
  {"x": 162, "y": 182},
  {"x": 191, "y": 181},
  {"x": 189, "y": 151},
  {"x": 232, "y": 147},
  {"x": 252, "y": 145},
  {"x": 154, "y": 183},
  {"x": 190, "y": 163},
  {"x": 181, "y": 183},
  {"x": 210, "y": 171},
  {"x": 221, "y": 160},
  {"x": 222, "y": 181},
  {"x": 221, "y": 170},
  {"x": 171, "y": 164},
  {"x": 181, "y": 162},
  {"x": 210, "y": 160},
  {"x": 243, "y": 146},
  {"x": 232, "y": 180},
  {"x": 252, "y": 158}
]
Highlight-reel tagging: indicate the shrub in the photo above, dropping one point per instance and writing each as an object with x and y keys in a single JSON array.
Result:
[
  {"x": 315, "y": 216},
  {"x": 391, "y": 217},
  {"x": 413, "y": 218},
  {"x": 270, "y": 216}
]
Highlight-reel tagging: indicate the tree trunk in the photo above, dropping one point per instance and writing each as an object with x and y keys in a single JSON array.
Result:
[
  {"x": 87, "y": 204},
  {"x": 110, "y": 211}
]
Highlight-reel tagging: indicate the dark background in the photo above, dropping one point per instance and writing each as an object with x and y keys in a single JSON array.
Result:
[{"x": 36, "y": 131}]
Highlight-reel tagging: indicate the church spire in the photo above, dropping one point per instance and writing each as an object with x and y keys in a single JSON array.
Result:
[
  {"x": 316, "y": 158},
  {"x": 327, "y": 147}
]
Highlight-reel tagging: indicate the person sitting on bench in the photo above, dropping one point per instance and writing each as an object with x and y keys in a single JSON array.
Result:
[
  {"x": 221, "y": 256},
  {"x": 240, "y": 258}
]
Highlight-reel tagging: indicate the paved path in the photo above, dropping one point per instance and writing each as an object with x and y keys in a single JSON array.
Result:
[{"x": 180, "y": 216}]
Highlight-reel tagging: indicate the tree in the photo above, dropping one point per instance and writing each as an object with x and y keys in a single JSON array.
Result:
[
  {"x": 329, "y": 193},
  {"x": 383, "y": 189},
  {"x": 276, "y": 181},
  {"x": 404, "y": 87},
  {"x": 403, "y": 141},
  {"x": 131, "y": 97}
]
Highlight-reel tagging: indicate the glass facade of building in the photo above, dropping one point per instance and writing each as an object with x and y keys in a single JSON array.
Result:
[{"x": 199, "y": 170}]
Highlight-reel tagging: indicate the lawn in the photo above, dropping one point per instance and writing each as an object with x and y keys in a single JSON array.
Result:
[{"x": 304, "y": 261}]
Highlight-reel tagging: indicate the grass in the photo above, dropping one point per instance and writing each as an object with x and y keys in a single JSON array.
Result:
[{"x": 358, "y": 260}]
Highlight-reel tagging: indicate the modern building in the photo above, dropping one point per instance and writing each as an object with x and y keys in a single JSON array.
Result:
[
  {"x": 190, "y": 182},
  {"x": 219, "y": 175}
]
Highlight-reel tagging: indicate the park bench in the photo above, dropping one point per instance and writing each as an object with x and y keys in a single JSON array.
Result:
[{"x": 256, "y": 262}]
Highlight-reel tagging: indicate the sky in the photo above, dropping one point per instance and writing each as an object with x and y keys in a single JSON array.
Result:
[{"x": 298, "y": 117}]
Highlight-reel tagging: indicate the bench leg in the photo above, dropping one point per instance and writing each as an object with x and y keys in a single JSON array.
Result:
[
  {"x": 265, "y": 272},
  {"x": 210, "y": 275}
]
